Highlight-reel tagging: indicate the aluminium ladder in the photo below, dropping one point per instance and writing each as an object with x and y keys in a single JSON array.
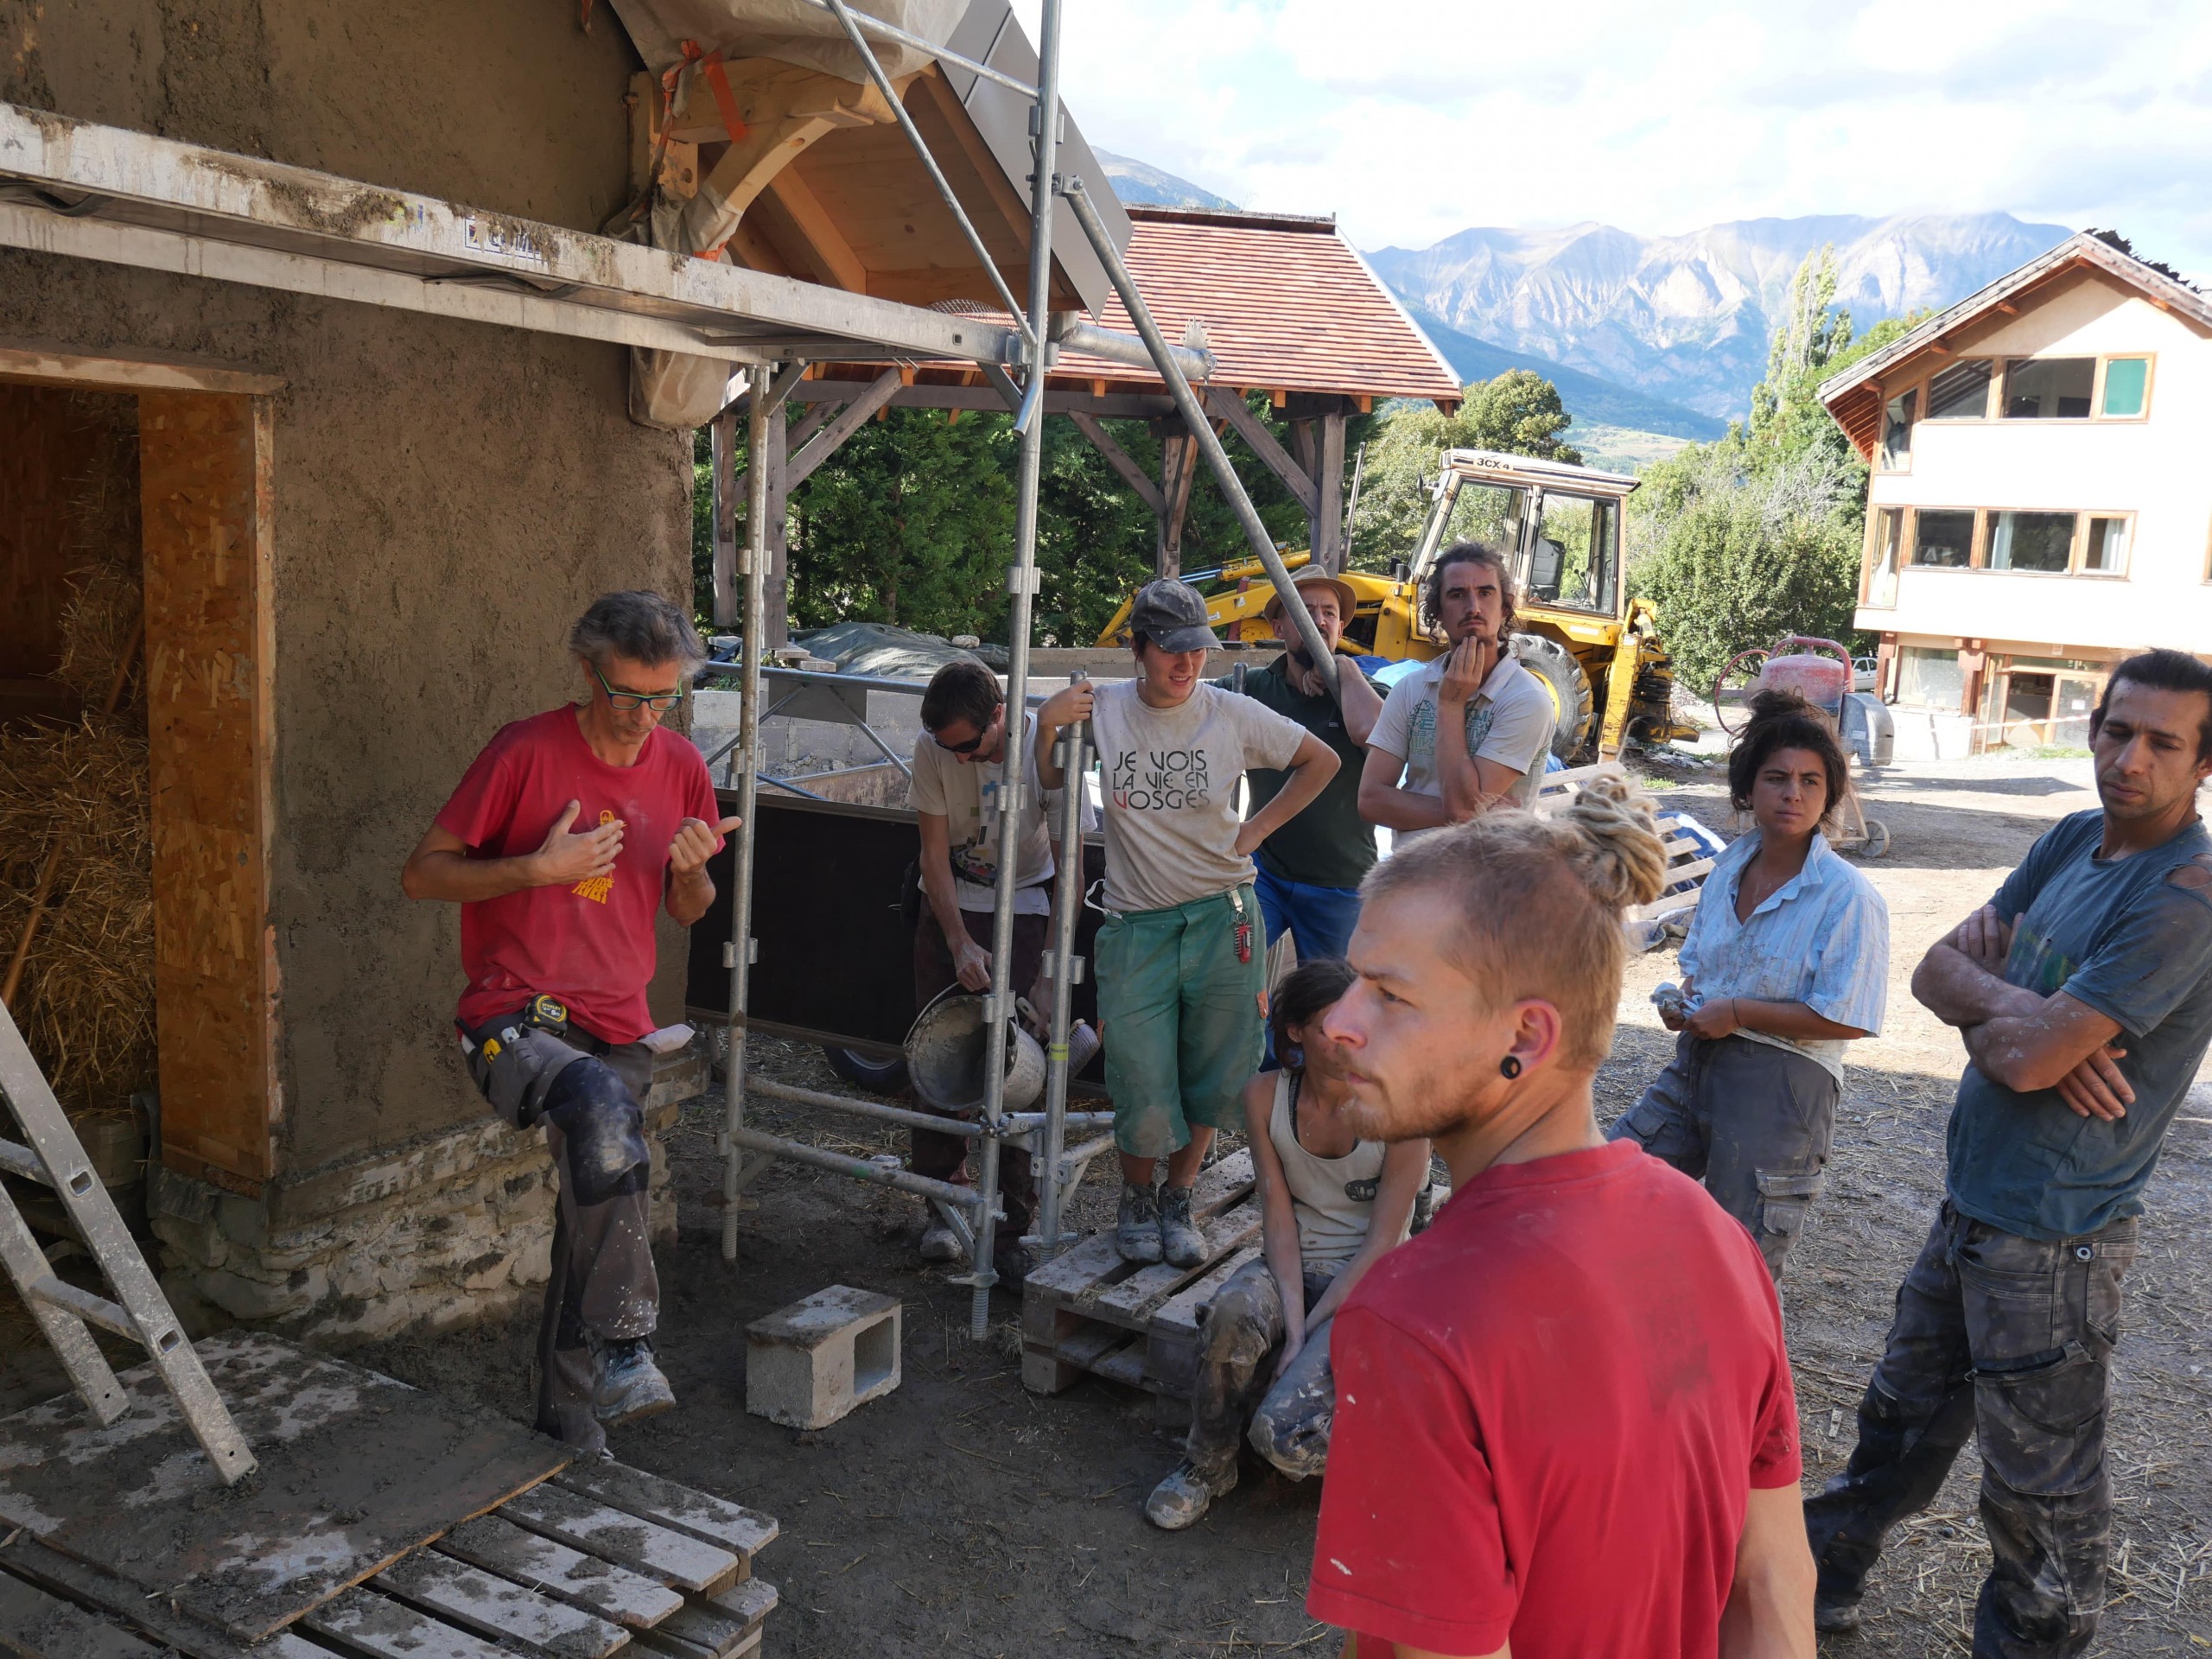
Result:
[{"x": 54, "y": 1158}]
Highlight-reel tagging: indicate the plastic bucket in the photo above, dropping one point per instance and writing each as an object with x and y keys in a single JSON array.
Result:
[{"x": 947, "y": 1051}]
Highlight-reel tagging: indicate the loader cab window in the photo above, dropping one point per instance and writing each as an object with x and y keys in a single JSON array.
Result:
[
  {"x": 1574, "y": 559},
  {"x": 1484, "y": 512}
]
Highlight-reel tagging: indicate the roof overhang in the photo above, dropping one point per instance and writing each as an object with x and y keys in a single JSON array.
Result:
[
  {"x": 81, "y": 189},
  {"x": 2079, "y": 253}
]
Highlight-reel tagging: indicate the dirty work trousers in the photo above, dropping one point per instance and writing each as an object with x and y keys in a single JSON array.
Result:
[
  {"x": 2009, "y": 1339},
  {"x": 1754, "y": 1122},
  {"x": 603, "y": 1287},
  {"x": 1180, "y": 1012},
  {"x": 1289, "y": 1418},
  {"x": 944, "y": 1157}
]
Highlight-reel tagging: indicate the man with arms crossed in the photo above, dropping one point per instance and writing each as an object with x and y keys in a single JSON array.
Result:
[
  {"x": 2084, "y": 993},
  {"x": 566, "y": 836},
  {"x": 1478, "y": 687},
  {"x": 1565, "y": 1425}
]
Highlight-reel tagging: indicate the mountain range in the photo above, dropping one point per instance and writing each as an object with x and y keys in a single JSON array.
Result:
[
  {"x": 1659, "y": 333},
  {"x": 1687, "y": 318}
]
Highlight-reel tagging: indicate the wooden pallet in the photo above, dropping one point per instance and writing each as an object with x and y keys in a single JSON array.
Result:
[
  {"x": 1089, "y": 1312},
  {"x": 600, "y": 1559}
]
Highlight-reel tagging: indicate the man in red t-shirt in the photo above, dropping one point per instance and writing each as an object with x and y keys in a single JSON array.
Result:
[
  {"x": 569, "y": 833},
  {"x": 1566, "y": 1427}
]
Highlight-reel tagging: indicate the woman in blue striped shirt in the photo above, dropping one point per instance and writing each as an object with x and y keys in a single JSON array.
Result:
[{"x": 1787, "y": 962}]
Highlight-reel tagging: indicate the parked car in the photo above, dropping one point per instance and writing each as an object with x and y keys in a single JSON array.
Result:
[{"x": 1864, "y": 672}]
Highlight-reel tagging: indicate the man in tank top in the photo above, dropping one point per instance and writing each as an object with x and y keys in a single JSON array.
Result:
[{"x": 1331, "y": 1205}]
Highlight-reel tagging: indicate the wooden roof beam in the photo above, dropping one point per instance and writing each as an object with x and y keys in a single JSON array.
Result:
[
  {"x": 830, "y": 251},
  {"x": 1228, "y": 406},
  {"x": 785, "y": 110},
  {"x": 1120, "y": 460}
]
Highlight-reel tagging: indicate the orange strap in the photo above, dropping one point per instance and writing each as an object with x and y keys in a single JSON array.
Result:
[{"x": 710, "y": 65}]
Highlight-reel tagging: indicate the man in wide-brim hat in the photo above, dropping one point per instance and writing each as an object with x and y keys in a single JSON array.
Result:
[{"x": 1310, "y": 869}]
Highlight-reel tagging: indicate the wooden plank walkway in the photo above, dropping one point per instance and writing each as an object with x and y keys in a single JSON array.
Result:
[
  {"x": 356, "y": 1470},
  {"x": 602, "y": 1563}
]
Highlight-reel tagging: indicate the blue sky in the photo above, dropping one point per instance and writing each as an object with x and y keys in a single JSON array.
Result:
[{"x": 1410, "y": 119}]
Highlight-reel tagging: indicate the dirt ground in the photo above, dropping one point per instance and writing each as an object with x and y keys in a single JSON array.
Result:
[{"x": 961, "y": 1514}]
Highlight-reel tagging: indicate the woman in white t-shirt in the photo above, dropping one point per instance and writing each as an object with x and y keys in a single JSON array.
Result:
[{"x": 1181, "y": 960}]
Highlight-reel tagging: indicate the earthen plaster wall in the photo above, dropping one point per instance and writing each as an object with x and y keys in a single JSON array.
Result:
[{"x": 448, "y": 496}]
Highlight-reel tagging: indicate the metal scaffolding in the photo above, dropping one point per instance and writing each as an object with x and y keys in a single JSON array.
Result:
[{"x": 974, "y": 1211}]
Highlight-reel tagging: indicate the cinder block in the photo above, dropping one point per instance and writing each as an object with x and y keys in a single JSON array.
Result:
[{"x": 811, "y": 1363}]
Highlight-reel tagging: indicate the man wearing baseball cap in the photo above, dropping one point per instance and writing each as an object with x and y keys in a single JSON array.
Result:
[
  {"x": 1309, "y": 870},
  {"x": 1181, "y": 967}
]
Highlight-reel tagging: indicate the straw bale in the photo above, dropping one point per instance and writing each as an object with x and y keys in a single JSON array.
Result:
[
  {"x": 87, "y": 1003},
  {"x": 103, "y": 551}
]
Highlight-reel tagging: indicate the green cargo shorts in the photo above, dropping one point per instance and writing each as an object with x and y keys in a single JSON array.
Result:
[{"x": 1182, "y": 1017}]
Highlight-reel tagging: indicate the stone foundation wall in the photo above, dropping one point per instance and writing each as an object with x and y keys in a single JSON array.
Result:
[{"x": 455, "y": 1228}]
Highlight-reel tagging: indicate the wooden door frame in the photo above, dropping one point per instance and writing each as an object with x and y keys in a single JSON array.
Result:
[{"x": 206, "y": 455}]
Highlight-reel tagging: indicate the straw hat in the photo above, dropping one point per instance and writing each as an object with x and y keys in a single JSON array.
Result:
[{"x": 1307, "y": 576}]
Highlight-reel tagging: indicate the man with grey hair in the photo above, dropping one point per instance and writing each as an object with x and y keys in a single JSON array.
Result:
[{"x": 572, "y": 829}]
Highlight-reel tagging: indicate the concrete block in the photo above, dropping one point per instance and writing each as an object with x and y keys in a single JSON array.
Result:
[{"x": 811, "y": 1363}]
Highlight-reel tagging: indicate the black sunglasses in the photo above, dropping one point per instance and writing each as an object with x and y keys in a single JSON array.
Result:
[{"x": 969, "y": 747}]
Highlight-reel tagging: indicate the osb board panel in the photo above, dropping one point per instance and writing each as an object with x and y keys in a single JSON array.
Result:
[
  {"x": 356, "y": 1468},
  {"x": 205, "y": 496}
]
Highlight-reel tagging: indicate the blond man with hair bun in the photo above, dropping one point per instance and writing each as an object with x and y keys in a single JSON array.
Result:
[{"x": 1565, "y": 1423}]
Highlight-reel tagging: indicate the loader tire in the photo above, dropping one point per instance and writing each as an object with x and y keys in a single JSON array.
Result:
[{"x": 1555, "y": 665}]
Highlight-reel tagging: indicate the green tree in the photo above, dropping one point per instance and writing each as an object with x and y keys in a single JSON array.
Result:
[
  {"x": 1757, "y": 534},
  {"x": 909, "y": 524},
  {"x": 1519, "y": 413}
]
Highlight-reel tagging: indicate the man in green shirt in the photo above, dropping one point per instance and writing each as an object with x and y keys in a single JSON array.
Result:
[{"x": 1310, "y": 869}]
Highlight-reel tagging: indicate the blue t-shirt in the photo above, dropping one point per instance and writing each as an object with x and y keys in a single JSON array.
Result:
[{"x": 2132, "y": 938}]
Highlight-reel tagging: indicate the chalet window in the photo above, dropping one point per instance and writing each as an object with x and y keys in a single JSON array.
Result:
[
  {"x": 2049, "y": 388},
  {"x": 1962, "y": 391},
  {"x": 1897, "y": 432},
  {"x": 2104, "y": 552},
  {"x": 2128, "y": 387},
  {"x": 1889, "y": 548},
  {"x": 1930, "y": 678},
  {"x": 2032, "y": 541},
  {"x": 1943, "y": 537}
]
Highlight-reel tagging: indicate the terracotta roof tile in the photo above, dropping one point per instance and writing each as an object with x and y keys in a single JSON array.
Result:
[{"x": 1287, "y": 304}]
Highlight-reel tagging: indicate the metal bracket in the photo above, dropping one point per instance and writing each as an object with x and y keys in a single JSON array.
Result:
[
  {"x": 1019, "y": 581},
  {"x": 729, "y": 952},
  {"x": 1075, "y": 968}
]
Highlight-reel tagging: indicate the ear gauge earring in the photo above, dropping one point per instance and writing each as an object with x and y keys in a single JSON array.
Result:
[
  {"x": 1294, "y": 1057},
  {"x": 1510, "y": 1067}
]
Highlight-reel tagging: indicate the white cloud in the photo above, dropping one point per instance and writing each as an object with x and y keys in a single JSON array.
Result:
[{"x": 1411, "y": 120}]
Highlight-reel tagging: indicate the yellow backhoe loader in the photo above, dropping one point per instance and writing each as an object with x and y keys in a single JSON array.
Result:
[{"x": 1596, "y": 652}]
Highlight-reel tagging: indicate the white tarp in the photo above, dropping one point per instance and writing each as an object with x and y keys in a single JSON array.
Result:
[{"x": 789, "y": 30}]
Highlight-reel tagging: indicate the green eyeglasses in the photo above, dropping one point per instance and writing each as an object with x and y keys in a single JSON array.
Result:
[{"x": 659, "y": 703}]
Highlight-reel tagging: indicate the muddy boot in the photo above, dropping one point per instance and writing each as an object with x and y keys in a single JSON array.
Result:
[
  {"x": 625, "y": 1383},
  {"x": 939, "y": 1243},
  {"x": 1183, "y": 1498},
  {"x": 1832, "y": 1616},
  {"x": 1179, "y": 1238},
  {"x": 1136, "y": 1231}
]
